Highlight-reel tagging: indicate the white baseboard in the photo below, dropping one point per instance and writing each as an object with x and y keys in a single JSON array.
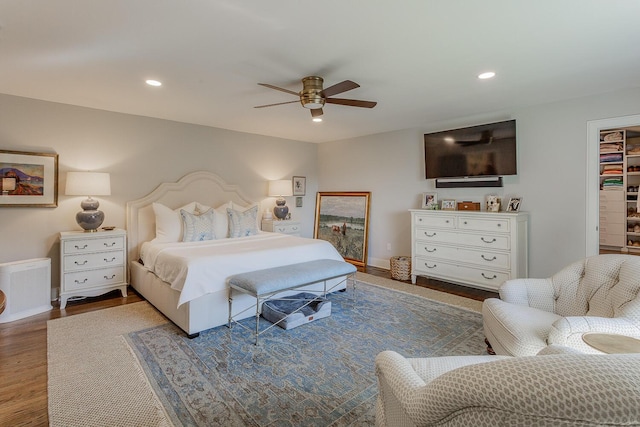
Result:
[{"x": 380, "y": 263}]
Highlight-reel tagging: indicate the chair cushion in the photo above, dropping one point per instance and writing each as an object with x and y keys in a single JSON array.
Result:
[{"x": 516, "y": 330}]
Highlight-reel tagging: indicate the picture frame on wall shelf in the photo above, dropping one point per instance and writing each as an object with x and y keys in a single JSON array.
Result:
[
  {"x": 28, "y": 179},
  {"x": 299, "y": 185},
  {"x": 430, "y": 201},
  {"x": 449, "y": 205},
  {"x": 514, "y": 204},
  {"x": 342, "y": 219}
]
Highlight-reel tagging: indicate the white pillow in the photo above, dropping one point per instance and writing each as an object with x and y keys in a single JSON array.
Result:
[
  {"x": 243, "y": 223},
  {"x": 220, "y": 220},
  {"x": 169, "y": 223},
  {"x": 197, "y": 228}
]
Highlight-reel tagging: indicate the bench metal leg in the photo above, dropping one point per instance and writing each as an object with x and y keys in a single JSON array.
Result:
[{"x": 257, "y": 319}]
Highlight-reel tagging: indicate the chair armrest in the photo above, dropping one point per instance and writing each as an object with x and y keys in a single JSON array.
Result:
[
  {"x": 568, "y": 331},
  {"x": 536, "y": 293}
]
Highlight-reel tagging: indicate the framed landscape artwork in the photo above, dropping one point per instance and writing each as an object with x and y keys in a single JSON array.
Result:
[
  {"x": 28, "y": 179},
  {"x": 342, "y": 218}
]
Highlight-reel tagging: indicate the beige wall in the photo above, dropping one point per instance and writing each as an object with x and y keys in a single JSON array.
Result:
[
  {"x": 552, "y": 172},
  {"x": 139, "y": 152}
]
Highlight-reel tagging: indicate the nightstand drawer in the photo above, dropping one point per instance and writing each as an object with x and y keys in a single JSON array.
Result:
[
  {"x": 91, "y": 278},
  {"x": 93, "y": 245},
  {"x": 91, "y": 261},
  {"x": 286, "y": 228}
]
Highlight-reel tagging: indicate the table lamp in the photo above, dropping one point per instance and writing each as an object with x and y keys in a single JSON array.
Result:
[
  {"x": 280, "y": 188},
  {"x": 89, "y": 184}
]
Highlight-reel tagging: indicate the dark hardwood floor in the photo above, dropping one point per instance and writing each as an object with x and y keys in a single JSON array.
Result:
[
  {"x": 23, "y": 350},
  {"x": 463, "y": 291}
]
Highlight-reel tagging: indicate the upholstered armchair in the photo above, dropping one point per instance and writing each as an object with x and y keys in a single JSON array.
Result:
[
  {"x": 596, "y": 294},
  {"x": 550, "y": 390}
]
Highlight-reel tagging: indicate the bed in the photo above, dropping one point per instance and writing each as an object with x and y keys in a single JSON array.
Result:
[{"x": 186, "y": 281}]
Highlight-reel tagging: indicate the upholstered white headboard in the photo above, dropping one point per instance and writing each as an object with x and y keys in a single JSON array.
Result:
[{"x": 204, "y": 187}]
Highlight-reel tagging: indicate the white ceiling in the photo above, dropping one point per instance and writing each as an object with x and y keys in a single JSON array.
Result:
[{"x": 417, "y": 58}]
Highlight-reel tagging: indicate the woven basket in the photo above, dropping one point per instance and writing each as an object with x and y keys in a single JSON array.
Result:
[{"x": 401, "y": 267}]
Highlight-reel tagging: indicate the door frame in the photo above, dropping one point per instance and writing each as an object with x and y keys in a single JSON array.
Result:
[{"x": 594, "y": 127}]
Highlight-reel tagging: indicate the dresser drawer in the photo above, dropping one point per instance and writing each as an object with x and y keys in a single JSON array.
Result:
[
  {"x": 95, "y": 260},
  {"x": 485, "y": 240},
  {"x": 484, "y": 224},
  {"x": 93, "y": 245},
  {"x": 436, "y": 251},
  {"x": 435, "y": 221},
  {"x": 446, "y": 270},
  {"x": 91, "y": 278},
  {"x": 436, "y": 236},
  {"x": 490, "y": 259}
]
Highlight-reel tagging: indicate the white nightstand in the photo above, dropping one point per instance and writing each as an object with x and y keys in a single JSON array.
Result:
[
  {"x": 282, "y": 227},
  {"x": 92, "y": 264}
]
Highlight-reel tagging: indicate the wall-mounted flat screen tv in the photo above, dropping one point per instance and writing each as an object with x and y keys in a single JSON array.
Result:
[{"x": 477, "y": 151}]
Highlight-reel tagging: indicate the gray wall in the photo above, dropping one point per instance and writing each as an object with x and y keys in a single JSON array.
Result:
[
  {"x": 140, "y": 153},
  {"x": 552, "y": 142}
]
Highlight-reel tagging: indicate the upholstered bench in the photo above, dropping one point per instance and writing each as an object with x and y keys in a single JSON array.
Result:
[{"x": 265, "y": 284}]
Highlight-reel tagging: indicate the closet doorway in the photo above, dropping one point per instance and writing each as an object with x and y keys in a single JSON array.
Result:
[{"x": 592, "y": 234}]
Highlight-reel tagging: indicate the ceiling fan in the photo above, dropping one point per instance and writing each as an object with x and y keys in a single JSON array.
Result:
[{"x": 313, "y": 97}]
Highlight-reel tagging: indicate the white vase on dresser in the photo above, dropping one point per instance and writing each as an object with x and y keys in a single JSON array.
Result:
[{"x": 479, "y": 249}]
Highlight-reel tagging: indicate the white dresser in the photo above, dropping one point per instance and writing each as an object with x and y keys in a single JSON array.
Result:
[
  {"x": 92, "y": 264},
  {"x": 283, "y": 227},
  {"x": 479, "y": 249}
]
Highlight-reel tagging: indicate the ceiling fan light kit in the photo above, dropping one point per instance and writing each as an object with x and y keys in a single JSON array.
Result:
[{"x": 313, "y": 97}]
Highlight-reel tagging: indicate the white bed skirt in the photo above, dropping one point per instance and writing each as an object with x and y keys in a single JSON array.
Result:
[{"x": 205, "y": 312}]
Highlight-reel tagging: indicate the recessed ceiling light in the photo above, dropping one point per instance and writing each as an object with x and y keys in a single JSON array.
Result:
[
  {"x": 151, "y": 82},
  {"x": 487, "y": 75},
  {"x": 317, "y": 119}
]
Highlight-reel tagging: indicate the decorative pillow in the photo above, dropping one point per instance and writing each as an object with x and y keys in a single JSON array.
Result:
[
  {"x": 243, "y": 223},
  {"x": 197, "y": 227},
  {"x": 169, "y": 223}
]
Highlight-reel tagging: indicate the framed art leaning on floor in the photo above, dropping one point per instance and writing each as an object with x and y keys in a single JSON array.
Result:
[{"x": 342, "y": 219}]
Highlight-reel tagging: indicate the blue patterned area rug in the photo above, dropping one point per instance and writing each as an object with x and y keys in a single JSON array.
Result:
[{"x": 318, "y": 374}]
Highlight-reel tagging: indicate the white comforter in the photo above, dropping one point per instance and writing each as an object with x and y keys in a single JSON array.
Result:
[{"x": 198, "y": 268}]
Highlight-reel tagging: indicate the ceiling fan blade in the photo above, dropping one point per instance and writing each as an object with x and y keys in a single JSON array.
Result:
[
  {"x": 351, "y": 102},
  {"x": 279, "y": 88},
  {"x": 279, "y": 103},
  {"x": 316, "y": 112},
  {"x": 339, "y": 88}
]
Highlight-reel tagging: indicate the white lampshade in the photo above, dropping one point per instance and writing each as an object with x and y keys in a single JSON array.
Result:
[
  {"x": 281, "y": 187},
  {"x": 88, "y": 184}
]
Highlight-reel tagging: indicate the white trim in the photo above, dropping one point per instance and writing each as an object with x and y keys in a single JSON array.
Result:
[{"x": 594, "y": 127}]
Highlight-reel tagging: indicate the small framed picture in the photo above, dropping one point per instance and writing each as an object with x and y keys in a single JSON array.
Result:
[
  {"x": 299, "y": 185},
  {"x": 514, "y": 204},
  {"x": 448, "y": 205},
  {"x": 429, "y": 201},
  {"x": 298, "y": 202}
]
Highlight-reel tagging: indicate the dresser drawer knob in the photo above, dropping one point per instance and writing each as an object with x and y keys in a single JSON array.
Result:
[
  {"x": 80, "y": 263},
  {"x": 80, "y": 248},
  {"x": 110, "y": 245},
  {"x": 465, "y": 223},
  {"x": 109, "y": 278},
  {"x": 420, "y": 219},
  {"x": 429, "y": 250},
  {"x": 490, "y": 278},
  {"x": 488, "y": 241},
  {"x": 446, "y": 222},
  {"x": 79, "y": 282},
  {"x": 430, "y": 266},
  {"x": 488, "y": 259},
  {"x": 429, "y": 235},
  {"x": 499, "y": 225},
  {"x": 110, "y": 260}
]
